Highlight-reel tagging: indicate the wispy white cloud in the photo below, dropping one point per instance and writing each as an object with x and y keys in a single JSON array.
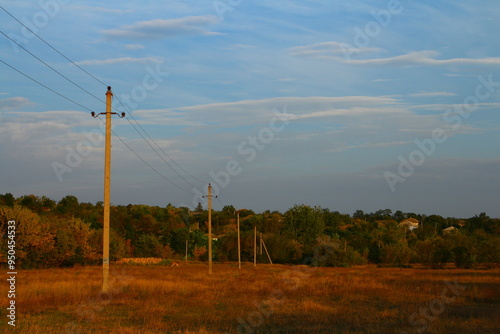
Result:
[
  {"x": 367, "y": 116},
  {"x": 14, "y": 103},
  {"x": 450, "y": 106},
  {"x": 160, "y": 28},
  {"x": 102, "y": 10},
  {"x": 384, "y": 80},
  {"x": 330, "y": 50},
  {"x": 133, "y": 46},
  {"x": 122, "y": 60},
  {"x": 342, "y": 52},
  {"x": 432, "y": 94},
  {"x": 425, "y": 58},
  {"x": 369, "y": 145}
]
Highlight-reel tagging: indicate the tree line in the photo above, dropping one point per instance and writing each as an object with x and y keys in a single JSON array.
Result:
[{"x": 67, "y": 232}]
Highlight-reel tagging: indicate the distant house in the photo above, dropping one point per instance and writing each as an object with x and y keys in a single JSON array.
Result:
[
  {"x": 449, "y": 230},
  {"x": 410, "y": 223}
]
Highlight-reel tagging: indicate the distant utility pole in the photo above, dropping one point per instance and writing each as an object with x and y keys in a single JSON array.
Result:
[
  {"x": 265, "y": 248},
  {"x": 255, "y": 246},
  {"x": 260, "y": 238},
  {"x": 209, "y": 196},
  {"x": 189, "y": 234},
  {"x": 107, "y": 187},
  {"x": 239, "y": 243}
]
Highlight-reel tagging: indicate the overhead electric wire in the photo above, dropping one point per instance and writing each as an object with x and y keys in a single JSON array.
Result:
[
  {"x": 48, "y": 44},
  {"x": 159, "y": 147},
  {"x": 158, "y": 153},
  {"x": 53, "y": 69},
  {"x": 95, "y": 97},
  {"x": 130, "y": 148},
  {"x": 41, "y": 84},
  {"x": 114, "y": 133}
]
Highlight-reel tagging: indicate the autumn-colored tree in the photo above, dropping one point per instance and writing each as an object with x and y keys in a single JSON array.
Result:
[
  {"x": 34, "y": 239},
  {"x": 199, "y": 253}
]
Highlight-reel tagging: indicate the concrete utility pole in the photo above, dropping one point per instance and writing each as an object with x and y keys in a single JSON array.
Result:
[
  {"x": 260, "y": 238},
  {"x": 255, "y": 246},
  {"x": 209, "y": 196},
  {"x": 239, "y": 243},
  {"x": 107, "y": 189}
]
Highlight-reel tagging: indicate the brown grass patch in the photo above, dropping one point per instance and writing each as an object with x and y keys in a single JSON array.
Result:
[{"x": 269, "y": 299}]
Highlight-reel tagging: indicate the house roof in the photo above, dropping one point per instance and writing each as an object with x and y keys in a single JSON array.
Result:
[{"x": 410, "y": 220}]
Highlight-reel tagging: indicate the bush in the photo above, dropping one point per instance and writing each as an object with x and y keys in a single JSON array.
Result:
[
  {"x": 396, "y": 254},
  {"x": 335, "y": 253},
  {"x": 463, "y": 257}
]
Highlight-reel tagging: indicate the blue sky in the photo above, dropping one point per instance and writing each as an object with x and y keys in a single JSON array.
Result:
[{"x": 343, "y": 104}]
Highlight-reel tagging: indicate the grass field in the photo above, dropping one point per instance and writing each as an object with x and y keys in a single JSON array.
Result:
[{"x": 268, "y": 299}]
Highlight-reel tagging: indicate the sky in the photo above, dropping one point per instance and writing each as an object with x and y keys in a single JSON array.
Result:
[{"x": 346, "y": 105}]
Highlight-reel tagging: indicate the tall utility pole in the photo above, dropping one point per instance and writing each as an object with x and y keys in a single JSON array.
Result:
[
  {"x": 107, "y": 188},
  {"x": 209, "y": 196},
  {"x": 239, "y": 244},
  {"x": 255, "y": 246}
]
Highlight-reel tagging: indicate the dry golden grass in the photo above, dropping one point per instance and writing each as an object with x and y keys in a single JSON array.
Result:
[
  {"x": 140, "y": 260},
  {"x": 268, "y": 299}
]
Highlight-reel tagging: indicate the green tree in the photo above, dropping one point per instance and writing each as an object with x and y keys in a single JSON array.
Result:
[
  {"x": 283, "y": 248},
  {"x": 148, "y": 246},
  {"x": 8, "y": 199},
  {"x": 333, "y": 252},
  {"x": 396, "y": 254},
  {"x": 68, "y": 204},
  {"x": 73, "y": 242},
  {"x": 305, "y": 224},
  {"x": 488, "y": 247},
  {"x": 334, "y": 222}
]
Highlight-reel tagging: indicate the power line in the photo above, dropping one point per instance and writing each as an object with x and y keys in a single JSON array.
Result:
[
  {"x": 161, "y": 175},
  {"x": 53, "y": 48},
  {"x": 77, "y": 85},
  {"x": 159, "y": 154},
  {"x": 53, "y": 69},
  {"x": 114, "y": 133},
  {"x": 159, "y": 147},
  {"x": 94, "y": 96},
  {"x": 41, "y": 84}
]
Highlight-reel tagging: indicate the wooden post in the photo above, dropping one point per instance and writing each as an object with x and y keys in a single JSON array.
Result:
[
  {"x": 209, "y": 229},
  {"x": 239, "y": 243},
  {"x": 260, "y": 236},
  {"x": 107, "y": 189},
  {"x": 255, "y": 246},
  {"x": 269, "y": 257}
]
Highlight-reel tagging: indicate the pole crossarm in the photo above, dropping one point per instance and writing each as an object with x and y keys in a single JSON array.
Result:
[{"x": 108, "y": 93}]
